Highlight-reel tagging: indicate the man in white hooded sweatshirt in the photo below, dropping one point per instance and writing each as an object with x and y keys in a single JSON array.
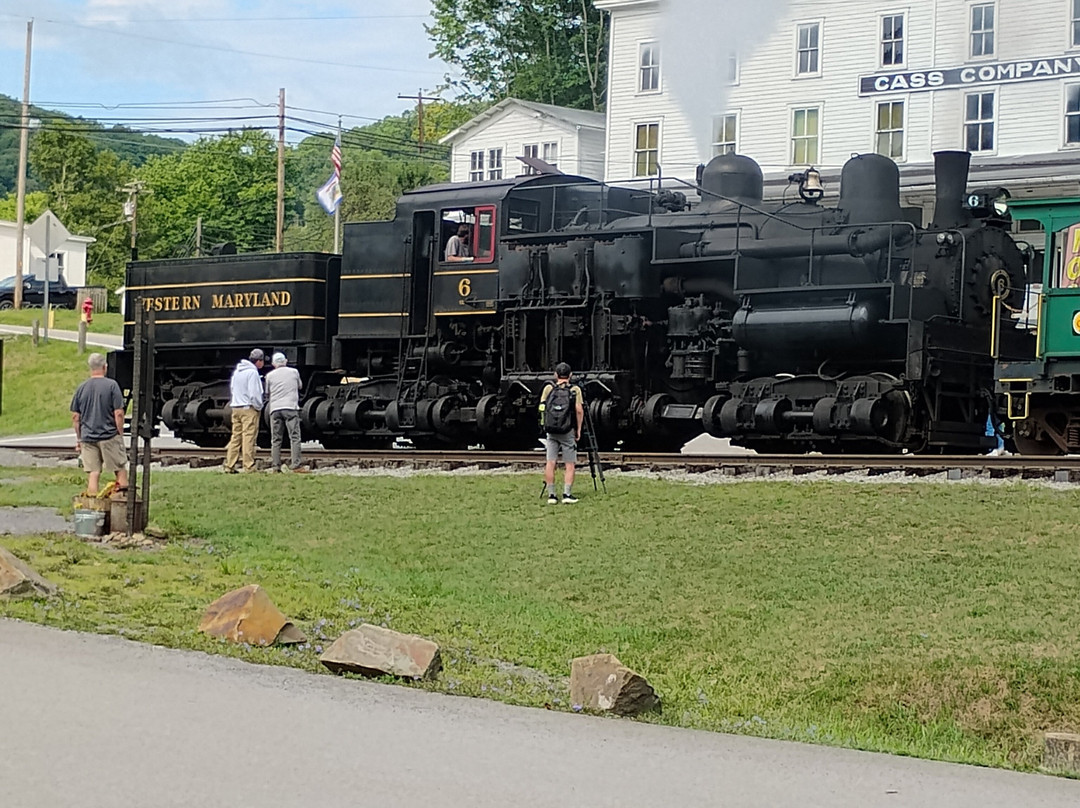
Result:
[{"x": 246, "y": 401}]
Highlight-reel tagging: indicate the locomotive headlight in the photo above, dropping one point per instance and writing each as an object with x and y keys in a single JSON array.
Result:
[{"x": 1001, "y": 202}]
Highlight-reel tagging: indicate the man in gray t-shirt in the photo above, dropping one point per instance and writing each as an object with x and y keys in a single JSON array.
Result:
[
  {"x": 283, "y": 394},
  {"x": 97, "y": 414}
]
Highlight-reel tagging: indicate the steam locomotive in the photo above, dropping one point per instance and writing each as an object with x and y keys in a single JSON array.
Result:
[{"x": 785, "y": 327}]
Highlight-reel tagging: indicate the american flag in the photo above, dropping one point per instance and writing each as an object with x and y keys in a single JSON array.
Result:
[{"x": 335, "y": 156}]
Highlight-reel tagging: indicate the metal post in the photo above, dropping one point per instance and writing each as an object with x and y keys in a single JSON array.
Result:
[
  {"x": 279, "y": 232},
  {"x": 337, "y": 210},
  {"x": 48, "y": 247},
  {"x": 1, "y": 376},
  {"x": 136, "y": 413},
  {"x": 148, "y": 409}
]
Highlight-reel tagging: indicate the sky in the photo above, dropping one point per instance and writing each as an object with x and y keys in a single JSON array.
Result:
[{"x": 134, "y": 61}]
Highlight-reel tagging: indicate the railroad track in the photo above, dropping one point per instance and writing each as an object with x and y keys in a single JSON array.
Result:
[{"x": 1063, "y": 469}]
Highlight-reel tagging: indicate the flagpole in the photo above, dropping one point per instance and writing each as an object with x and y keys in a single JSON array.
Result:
[{"x": 337, "y": 210}]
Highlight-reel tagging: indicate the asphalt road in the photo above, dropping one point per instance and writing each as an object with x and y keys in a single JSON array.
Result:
[
  {"x": 111, "y": 341},
  {"x": 97, "y": 721}
]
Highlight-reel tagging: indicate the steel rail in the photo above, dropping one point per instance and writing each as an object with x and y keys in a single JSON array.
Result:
[{"x": 1065, "y": 468}]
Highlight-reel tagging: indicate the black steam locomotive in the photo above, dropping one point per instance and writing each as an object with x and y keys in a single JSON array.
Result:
[{"x": 784, "y": 327}]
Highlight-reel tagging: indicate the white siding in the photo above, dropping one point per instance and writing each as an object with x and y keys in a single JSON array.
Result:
[
  {"x": 74, "y": 252},
  {"x": 513, "y": 128},
  {"x": 591, "y": 154},
  {"x": 1029, "y": 116}
]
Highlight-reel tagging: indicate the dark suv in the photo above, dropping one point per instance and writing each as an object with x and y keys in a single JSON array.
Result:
[{"x": 61, "y": 295}]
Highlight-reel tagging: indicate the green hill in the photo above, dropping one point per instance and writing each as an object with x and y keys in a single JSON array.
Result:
[{"x": 129, "y": 145}]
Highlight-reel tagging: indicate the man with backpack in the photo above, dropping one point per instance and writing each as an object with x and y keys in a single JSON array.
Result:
[{"x": 562, "y": 415}]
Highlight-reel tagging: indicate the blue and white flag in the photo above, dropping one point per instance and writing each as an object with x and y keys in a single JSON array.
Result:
[{"x": 330, "y": 194}]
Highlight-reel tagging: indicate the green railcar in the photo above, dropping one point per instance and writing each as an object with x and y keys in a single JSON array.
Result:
[{"x": 1040, "y": 394}]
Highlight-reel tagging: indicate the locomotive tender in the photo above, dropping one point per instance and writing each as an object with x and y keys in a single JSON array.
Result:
[{"x": 784, "y": 327}]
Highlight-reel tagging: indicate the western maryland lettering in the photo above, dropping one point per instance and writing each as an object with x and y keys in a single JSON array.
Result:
[
  {"x": 250, "y": 300},
  {"x": 216, "y": 302}
]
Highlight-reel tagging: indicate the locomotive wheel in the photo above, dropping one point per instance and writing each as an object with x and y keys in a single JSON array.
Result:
[
  {"x": 1042, "y": 447},
  {"x": 487, "y": 414},
  {"x": 710, "y": 415},
  {"x": 441, "y": 410}
]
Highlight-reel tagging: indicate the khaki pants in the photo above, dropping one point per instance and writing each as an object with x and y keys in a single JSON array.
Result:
[{"x": 245, "y": 426}]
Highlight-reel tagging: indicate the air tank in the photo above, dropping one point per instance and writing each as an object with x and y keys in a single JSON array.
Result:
[{"x": 870, "y": 189}]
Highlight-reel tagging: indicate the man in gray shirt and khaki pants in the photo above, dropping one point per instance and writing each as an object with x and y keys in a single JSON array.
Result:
[{"x": 283, "y": 394}]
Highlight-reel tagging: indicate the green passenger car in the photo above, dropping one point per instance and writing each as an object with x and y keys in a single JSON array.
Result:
[{"x": 1040, "y": 395}]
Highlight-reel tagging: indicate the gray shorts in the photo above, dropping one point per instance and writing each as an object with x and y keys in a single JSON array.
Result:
[{"x": 565, "y": 442}]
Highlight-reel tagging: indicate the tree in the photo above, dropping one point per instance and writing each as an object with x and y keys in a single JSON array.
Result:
[
  {"x": 36, "y": 204},
  {"x": 229, "y": 182},
  {"x": 80, "y": 182},
  {"x": 551, "y": 51},
  {"x": 379, "y": 162}
]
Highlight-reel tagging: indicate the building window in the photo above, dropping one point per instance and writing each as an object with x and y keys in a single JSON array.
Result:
[
  {"x": 1076, "y": 23},
  {"x": 733, "y": 67},
  {"x": 982, "y": 29},
  {"x": 890, "y": 129},
  {"x": 649, "y": 67},
  {"x": 892, "y": 40},
  {"x": 808, "y": 49},
  {"x": 530, "y": 150},
  {"x": 476, "y": 166},
  {"x": 1072, "y": 114},
  {"x": 494, "y": 164},
  {"x": 725, "y": 128},
  {"x": 646, "y": 149},
  {"x": 805, "y": 136},
  {"x": 551, "y": 154},
  {"x": 979, "y": 122}
]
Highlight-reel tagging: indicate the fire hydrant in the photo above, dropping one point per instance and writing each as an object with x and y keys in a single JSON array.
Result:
[{"x": 88, "y": 310}]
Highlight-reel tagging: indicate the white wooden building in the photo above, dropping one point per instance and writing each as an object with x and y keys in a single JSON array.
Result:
[
  {"x": 1000, "y": 78},
  {"x": 69, "y": 256},
  {"x": 487, "y": 146}
]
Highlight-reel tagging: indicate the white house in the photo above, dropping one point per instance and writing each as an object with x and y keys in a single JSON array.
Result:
[
  {"x": 1000, "y": 78},
  {"x": 487, "y": 146},
  {"x": 69, "y": 256}
]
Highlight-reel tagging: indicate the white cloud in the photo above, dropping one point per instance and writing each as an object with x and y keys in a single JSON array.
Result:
[{"x": 122, "y": 51}]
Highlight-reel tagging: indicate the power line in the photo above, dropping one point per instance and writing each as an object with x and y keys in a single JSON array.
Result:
[
  {"x": 263, "y": 19},
  {"x": 100, "y": 30}
]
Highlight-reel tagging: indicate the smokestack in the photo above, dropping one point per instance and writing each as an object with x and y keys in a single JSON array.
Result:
[{"x": 951, "y": 176}]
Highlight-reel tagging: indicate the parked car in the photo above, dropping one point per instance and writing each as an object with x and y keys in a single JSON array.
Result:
[{"x": 61, "y": 295}]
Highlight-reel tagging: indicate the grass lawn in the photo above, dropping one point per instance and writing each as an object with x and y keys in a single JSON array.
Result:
[
  {"x": 66, "y": 320},
  {"x": 930, "y": 620},
  {"x": 38, "y": 385}
]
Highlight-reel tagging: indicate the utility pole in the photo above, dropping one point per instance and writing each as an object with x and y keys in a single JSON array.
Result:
[
  {"x": 131, "y": 211},
  {"x": 198, "y": 237},
  {"x": 279, "y": 237},
  {"x": 419, "y": 98},
  {"x": 20, "y": 201}
]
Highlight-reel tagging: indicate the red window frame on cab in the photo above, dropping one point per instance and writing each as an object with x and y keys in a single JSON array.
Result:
[{"x": 483, "y": 235}]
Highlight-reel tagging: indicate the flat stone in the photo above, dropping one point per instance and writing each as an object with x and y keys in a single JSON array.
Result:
[
  {"x": 18, "y": 580},
  {"x": 1061, "y": 752},
  {"x": 377, "y": 651},
  {"x": 26, "y": 520},
  {"x": 601, "y": 683},
  {"x": 247, "y": 615}
]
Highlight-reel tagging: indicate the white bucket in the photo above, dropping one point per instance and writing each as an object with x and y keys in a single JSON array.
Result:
[{"x": 89, "y": 524}]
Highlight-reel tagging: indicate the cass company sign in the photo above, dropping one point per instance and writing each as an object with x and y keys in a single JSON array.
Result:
[{"x": 970, "y": 76}]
